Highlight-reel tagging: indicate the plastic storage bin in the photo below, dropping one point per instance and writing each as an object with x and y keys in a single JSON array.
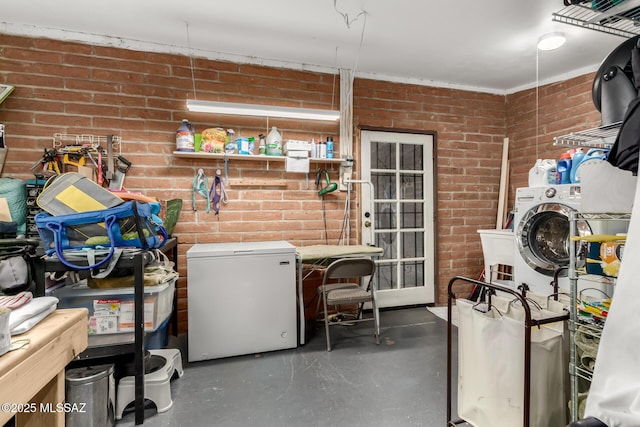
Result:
[{"x": 111, "y": 311}]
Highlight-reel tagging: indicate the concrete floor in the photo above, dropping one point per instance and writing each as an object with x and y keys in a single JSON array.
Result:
[{"x": 401, "y": 382}]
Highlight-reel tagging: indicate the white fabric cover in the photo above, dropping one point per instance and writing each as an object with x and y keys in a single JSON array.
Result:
[
  {"x": 614, "y": 397},
  {"x": 491, "y": 369},
  {"x": 23, "y": 327},
  {"x": 30, "y": 310}
]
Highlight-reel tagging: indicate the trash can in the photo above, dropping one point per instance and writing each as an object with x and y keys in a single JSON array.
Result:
[{"x": 90, "y": 395}]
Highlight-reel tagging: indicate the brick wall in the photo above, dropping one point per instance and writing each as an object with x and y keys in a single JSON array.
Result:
[{"x": 76, "y": 88}]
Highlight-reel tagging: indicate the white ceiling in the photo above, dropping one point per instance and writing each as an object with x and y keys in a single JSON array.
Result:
[{"x": 485, "y": 45}]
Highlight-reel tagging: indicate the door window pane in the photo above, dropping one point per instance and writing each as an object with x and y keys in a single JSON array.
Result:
[
  {"x": 412, "y": 245},
  {"x": 387, "y": 241},
  {"x": 411, "y": 157},
  {"x": 385, "y": 185},
  {"x": 412, "y": 274},
  {"x": 411, "y": 215},
  {"x": 411, "y": 186},
  {"x": 385, "y": 216},
  {"x": 383, "y": 155},
  {"x": 386, "y": 276}
]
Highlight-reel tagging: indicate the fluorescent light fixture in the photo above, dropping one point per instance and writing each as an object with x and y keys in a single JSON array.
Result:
[
  {"x": 551, "y": 41},
  {"x": 261, "y": 110}
]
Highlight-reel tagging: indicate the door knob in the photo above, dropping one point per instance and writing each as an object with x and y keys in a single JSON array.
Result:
[{"x": 367, "y": 224}]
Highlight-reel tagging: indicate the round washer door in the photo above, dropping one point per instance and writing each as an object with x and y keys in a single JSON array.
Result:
[{"x": 543, "y": 237}]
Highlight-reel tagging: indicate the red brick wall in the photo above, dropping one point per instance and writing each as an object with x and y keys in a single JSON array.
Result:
[
  {"x": 76, "y": 88},
  {"x": 563, "y": 107}
]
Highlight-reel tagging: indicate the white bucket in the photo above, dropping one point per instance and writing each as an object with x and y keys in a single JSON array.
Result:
[{"x": 543, "y": 173}]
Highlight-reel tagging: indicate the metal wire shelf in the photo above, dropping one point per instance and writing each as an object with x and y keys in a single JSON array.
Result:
[
  {"x": 621, "y": 19},
  {"x": 601, "y": 137}
]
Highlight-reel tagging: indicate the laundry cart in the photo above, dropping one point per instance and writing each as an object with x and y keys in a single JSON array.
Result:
[
  {"x": 511, "y": 367},
  {"x": 242, "y": 299}
]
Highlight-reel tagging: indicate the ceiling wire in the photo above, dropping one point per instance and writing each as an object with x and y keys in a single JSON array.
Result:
[
  {"x": 193, "y": 76},
  {"x": 345, "y": 16}
]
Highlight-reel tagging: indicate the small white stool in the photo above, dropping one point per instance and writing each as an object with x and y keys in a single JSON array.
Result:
[
  {"x": 173, "y": 355},
  {"x": 157, "y": 387}
]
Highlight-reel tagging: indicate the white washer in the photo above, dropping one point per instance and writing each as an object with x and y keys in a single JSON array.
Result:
[{"x": 541, "y": 231}]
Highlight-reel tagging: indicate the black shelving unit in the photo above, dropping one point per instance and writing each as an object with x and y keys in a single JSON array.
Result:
[{"x": 137, "y": 260}]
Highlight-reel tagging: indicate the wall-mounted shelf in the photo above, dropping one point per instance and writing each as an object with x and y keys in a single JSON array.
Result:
[
  {"x": 220, "y": 156},
  {"x": 602, "y": 137},
  {"x": 620, "y": 19}
]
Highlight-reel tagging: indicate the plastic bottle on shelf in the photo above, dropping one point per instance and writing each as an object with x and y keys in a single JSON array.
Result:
[
  {"x": 330, "y": 147},
  {"x": 322, "y": 150},
  {"x": 314, "y": 149},
  {"x": 274, "y": 143},
  {"x": 262, "y": 147},
  {"x": 185, "y": 137},
  {"x": 564, "y": 169},
  {"x": 575, "y": 164}
]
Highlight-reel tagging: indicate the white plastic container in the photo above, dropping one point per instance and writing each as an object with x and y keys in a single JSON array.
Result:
[
  {"x": 543, "y": 173},
  {"x": 274, "y": 143}
]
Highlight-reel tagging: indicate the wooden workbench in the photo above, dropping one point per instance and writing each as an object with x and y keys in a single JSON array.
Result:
[{"x": 34, "y": 374}]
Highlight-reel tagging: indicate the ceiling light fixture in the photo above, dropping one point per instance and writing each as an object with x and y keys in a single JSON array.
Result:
[
  {"x": 551, "y": 41},
  {"x": 261, "y": 110}
]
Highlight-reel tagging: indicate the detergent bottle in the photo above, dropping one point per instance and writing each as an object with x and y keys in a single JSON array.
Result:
[
  {"x": 578, "y": 157},
  {"x": 543, "y": 173},
  {"x": 592, "y": 156},
  {"x": 564, "y": 169},
  {"x": 185, "y": 137}
]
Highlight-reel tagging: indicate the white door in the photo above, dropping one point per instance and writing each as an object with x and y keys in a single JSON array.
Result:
[{"x": 400, "y": 167}]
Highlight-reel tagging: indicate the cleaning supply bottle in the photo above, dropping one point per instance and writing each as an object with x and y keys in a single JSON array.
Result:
[
  {"x": 262, "y": 147},
  {"x": 543, "y": 173},
  {"x": 274, "y": 143},
  {"x": 578, "y": 156},
  {"x": 564, "y": 169},
  {"x": 185, "y": 137},
  {"x": 594, "y": 155}
]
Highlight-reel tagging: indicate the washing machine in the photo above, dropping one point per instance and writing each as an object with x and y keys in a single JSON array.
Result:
[{"x": 542, "y": 236}]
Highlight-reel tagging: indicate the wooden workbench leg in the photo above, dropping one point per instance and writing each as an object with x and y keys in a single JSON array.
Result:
[{"x": 47, "y": 411}]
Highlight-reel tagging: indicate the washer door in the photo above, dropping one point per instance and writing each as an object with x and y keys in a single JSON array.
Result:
[{"x": 543, "y": 237}]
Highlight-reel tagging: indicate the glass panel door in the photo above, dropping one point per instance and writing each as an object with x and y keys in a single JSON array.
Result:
[{"x": 400, "y": 167}]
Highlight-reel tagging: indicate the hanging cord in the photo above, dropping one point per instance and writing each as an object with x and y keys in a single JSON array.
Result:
[
  {"x": 324, "y": 221},
  {"x": 193, "y": 76},
  {"x": 200, "y": 185},
  {"x": 217, "y": 193},
  {"x": 346, "y": 218},
  {"x": 319, "y": 174}
]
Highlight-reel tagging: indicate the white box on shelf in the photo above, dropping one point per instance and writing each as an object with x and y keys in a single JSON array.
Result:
[
  {"x": 293, "y": 145},
  {"x": 297, "y": 161}
]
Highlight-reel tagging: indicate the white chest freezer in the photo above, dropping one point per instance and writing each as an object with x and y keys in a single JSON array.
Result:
[{"x": 242, "y": 298}]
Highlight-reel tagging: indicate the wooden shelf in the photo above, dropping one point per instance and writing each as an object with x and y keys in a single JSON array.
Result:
[{"x": 220, "y": 156}]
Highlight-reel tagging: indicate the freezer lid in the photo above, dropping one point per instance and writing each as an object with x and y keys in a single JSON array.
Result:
[{"x": 204, "y": 250}]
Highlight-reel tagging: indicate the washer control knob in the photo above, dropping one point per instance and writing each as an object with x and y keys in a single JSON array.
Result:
[{"x": 550, "y": 193}]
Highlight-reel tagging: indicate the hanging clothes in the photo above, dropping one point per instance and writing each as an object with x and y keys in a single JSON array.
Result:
[
  {"x": 218, "y": 194},
  {"x": 200, "y": 186}
]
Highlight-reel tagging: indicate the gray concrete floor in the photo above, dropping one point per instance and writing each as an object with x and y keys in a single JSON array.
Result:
[{"x": 401, "y": 382}]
